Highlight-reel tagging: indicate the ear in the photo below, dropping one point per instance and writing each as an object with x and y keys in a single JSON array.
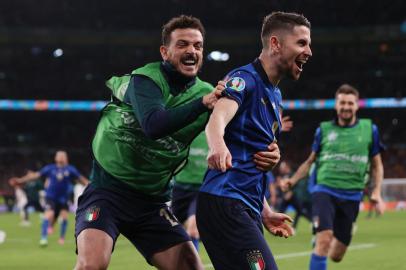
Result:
[
  {"x": 164, "y": 52},
  {"x": 274, "y": 43}
]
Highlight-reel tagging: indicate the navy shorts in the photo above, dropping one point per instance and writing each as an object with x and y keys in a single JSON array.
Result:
[
  {"x": 232, "y": 234},
  {"x": 183, "y": 203},
  {"x": 332, "y": 213},
  {"x": 150, "y": 226},
  {"x": 54, "y": 205}
]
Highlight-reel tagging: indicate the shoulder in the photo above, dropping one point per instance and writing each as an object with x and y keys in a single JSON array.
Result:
[{"x": 240, "y": 80}]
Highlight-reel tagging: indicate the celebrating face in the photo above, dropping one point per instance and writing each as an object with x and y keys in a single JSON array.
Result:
[
  {"x": 346, "y": 107},
  {"x": 294, "y": 51},
  {"x": 184, "y": 51}
]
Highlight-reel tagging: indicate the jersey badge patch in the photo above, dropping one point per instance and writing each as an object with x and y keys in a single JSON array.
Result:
[
  {"x": 255, "y": 260},
  {"x": 92, "y": 213},
  {"x": 236, "y": 83}
]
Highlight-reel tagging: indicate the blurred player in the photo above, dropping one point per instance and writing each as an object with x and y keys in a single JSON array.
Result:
[
  {"x": 59, "y": 177},
  {"x": 32, "y": 190},
  {"x": 231, "y": 208},
  {"x": 343, "y": 149}
]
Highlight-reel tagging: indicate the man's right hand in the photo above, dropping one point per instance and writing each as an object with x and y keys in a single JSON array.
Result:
[{"x": 210, "y": 100}]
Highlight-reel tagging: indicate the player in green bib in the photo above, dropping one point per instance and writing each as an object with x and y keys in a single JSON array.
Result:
[
  {"x": 186, "y": 187},
  {"x": 346, "y": 152},
  {"x": 142, "y": 140}
]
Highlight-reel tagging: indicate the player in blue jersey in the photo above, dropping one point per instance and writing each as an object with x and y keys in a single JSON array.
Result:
[
  {"x": 231, "y": 207},
  {"x": 345, "y": 151},
  {"x": 59, "y": 177}
]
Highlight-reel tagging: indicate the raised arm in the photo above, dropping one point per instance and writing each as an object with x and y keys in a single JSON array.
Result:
[
  {"x": 30, "y": 176},
  {"x": 219, "y": 156}
]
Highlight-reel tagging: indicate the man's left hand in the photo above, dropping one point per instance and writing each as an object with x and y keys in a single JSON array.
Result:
[{"x": 276, "y": 224}]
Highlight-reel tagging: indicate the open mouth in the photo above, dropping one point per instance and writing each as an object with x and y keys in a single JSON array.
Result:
[
  {"x": 189, "y": 61},
  {"x": 299, "y": 63}
]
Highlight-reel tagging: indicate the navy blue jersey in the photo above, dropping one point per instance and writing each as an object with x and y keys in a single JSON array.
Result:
[
  {"x": 376, "y": 147},
  {"x": 59, "y": 181},
  {"x": 256, "y": 124}
]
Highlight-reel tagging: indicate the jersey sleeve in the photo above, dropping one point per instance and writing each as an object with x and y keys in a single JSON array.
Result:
[
  {"x": 238, "y": 86},
  {"x": 45, "y": 170},
  {"x": 377, "y": 145},
  {"x": 317, "y": 140}
]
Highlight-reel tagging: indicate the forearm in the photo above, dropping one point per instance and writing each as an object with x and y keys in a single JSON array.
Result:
[
  {"x": 301, "y": 172},
  {"x": 83, "y": 180},
  {"x": 172, "y": 119},
  {"x": 215, "y": 131},
  {"x": 29, "y": 177},
  {"x": 377, "y": 177}
]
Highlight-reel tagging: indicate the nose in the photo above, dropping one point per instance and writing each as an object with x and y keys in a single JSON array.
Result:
[
  {"x": 308, "y": 51},
  {"x": 190, "y": 49}
]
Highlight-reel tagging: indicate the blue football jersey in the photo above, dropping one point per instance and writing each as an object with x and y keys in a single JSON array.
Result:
[
  {"x": 256, "y": 124},
  {"x": 59, "y": 181}
]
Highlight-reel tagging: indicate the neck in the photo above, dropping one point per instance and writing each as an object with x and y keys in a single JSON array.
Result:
[
  {"x": 269, "y": 67},
  {"x": 343, "y": 122}
]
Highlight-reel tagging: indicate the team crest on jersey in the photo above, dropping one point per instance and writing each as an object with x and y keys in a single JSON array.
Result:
[
  {"x": 236, "y": 83},
  {"x": 92, "y": 213},
  {"x": 332, "y": 136},
  {"x": 255, "y": 260}
]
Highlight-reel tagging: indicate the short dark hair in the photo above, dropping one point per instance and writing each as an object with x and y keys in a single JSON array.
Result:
[
  {"x": 280, "y": 21},
  {"x": 180, "y": 22},
  {"x": 347, "y": 90}
]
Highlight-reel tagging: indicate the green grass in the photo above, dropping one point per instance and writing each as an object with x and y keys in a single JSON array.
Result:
[{"x": 385, "y": 236}]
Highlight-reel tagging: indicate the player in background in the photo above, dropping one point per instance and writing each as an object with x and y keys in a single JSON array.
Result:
[
  {"x": 345, "y": 151},
  {"x": 59, "y": 177},
  {"x": 231, "y": 208}
]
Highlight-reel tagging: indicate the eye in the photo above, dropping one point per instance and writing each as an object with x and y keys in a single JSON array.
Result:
[{"x": 198, "y": 46}]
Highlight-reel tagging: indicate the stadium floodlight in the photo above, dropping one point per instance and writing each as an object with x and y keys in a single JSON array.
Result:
[
  {"x": 58, "y": 53},
  {"x": 218, "y": 56}
]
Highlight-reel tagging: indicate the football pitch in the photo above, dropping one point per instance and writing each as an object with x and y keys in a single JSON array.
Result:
[{"x": 378, "y": 244}]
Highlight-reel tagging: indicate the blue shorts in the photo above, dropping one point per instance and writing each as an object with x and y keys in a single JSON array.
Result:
[
  {"x": 150, "y": 226},
  {"x": 332, "y": 213},
  {"x": 232, "y": 234},
  {"x": 183, "y": 203},
  {"x": 54, "y": 205}
]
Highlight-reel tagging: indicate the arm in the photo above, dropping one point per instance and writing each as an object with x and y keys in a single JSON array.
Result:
[
  {"x": 83, "y": 180},
  {"x": 149, "y": 108},
  {"x": 275, "y": 222},
  {"x": 377, "y": 178},
  {"x": 219, "y": 156},
  {"x": 301, "y": 172},
  {"x": 30, "y": 176}
]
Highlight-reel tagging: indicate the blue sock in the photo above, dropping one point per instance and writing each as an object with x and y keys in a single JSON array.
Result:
[
  {"x": 64, "y": 225},
  {"x": 195, "y": 242},
  {"x": 318, "y": 262},
  {"x": 44, "y": 228}
]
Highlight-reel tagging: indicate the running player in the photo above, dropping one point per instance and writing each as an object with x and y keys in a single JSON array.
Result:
[
  {"x": 343, "y": 150},
  {"x": 59, "y": 177}
]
